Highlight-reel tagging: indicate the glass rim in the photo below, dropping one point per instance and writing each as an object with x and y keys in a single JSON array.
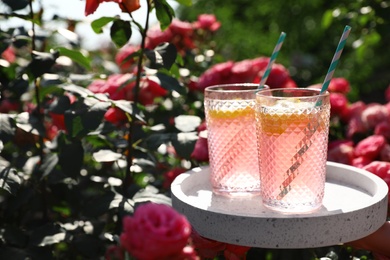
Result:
[
  {"x": 224, "y": 88},
  {"x": 261, "y": 93}
]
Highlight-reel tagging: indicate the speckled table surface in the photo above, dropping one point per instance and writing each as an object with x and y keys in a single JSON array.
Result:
[{"x": 355, "y": 205}]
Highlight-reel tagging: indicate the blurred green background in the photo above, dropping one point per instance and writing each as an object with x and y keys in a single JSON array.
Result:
[{"x": 251, "y": 28}]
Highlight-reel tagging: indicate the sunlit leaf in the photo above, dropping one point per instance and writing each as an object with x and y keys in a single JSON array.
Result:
[
  {"x": 185, "y": 2},
  {"x": 187, "y": 123},
  {"x": 128, "y": 107},
  {"x": 184, "y": 143},
  {"x": 98, "y": 24},
  {"x": 327, "y": 19},
  {"x": 42, "y": 62},
  {"x": 105, "y": 155},
  {"x": 151, "y": 194},
  {"x": 163, "y": 56},
  {"x": 48, "y": 234},
  {"x": 76, "y": 56},
  {"x": 7, "y": 127},
  {"x": 9, "y": 180},
  {"x": 83, "y": 92}
]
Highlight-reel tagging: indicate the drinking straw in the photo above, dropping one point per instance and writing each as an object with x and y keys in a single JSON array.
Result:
[
  {"x": 336, "y": 58},
  {"x": 297, "y": 159},
  {"x": 272, "y": 60}
]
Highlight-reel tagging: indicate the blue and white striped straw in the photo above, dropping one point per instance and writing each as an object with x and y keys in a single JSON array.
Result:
[
  {"x": 336, "y": 58},
  {"x": 272, "y": 60}
]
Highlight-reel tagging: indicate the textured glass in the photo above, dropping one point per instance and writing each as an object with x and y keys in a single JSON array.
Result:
[
  {"x": 292, "y": 140},
  {"x": 231, "y": 125}
]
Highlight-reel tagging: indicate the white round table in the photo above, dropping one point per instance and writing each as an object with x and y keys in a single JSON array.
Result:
[{"x": 354, "y": 206}]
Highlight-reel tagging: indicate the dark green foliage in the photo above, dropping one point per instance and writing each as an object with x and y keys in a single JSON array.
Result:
[{"x": 251, "y": 28}]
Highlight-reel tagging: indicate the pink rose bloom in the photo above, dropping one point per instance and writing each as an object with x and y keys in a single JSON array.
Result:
[
  {"x": 114, "y": 253},
  {"x": 290, "y": 83},
  {"x": 201, "y": 151},
  {"x": 374, "y": 114},
  {"x": 341, "y": 152},
  {"x": 149, "y": 90},
  {"x": 116, "y": 86},
  {"x": 215, "y": 75},
  {"x": 155, "y": 37},
  {"x": 355, "y": 126},
  {"x": 277, "y": 77},
  {"x": 206, "y": 248},
  {"x": 181, "y": 27},
  {"x": 7, "y": 106},
  {"x": 123, "y": 59},
  {"x": 339, "y": 85},
  {"x": 338, "y": 104},
  {"x": 9, "y": 54},
  {"x": 385, "y": 153},
  {"x": 242, "y": 72},
  {"x": 202, "y": 127},
  {"x": 354, "y": 110},
  {"x": 383, "y": 128},
  {"x": 370, "y": 147},
  {"x": 235, "y": 252},
  {"x": 360, "y": 162},
  {"x": 155, "y": 231},
  {"x": 115, "y": 116},
  {"x": 259, "y": 64},
  {"x": 170, "y": 176},
  {"x": 207, "y": 22},
  {"x": 380, "y": 169}
]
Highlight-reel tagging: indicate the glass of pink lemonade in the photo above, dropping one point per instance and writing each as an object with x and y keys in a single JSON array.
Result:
[
  {"x": 231, "y": 127},
  {"x": 292, "y": 132}
]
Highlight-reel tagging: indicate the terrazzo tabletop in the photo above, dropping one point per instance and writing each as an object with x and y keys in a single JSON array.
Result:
[{"x": 354, "y": 206}]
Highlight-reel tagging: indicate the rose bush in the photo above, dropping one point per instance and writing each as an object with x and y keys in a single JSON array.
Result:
[{"x": 89, "y": 150}]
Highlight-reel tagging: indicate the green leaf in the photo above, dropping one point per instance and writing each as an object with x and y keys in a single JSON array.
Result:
[
  {"x": 9, "y": 180},
  {"x": 185, "y": 2},
  {"x": 120, "y": 32},
  {"x": 164, "y": 13},
  {"x": 13, "y": 235},
  {"x": 155, "y": 140},
  {"x": 127, "y": 107},
  {"x": 76, "y": 56},
  {"x": 50, "y": 161},
  {"x": 70, "y": 158},
  {"x": 163, "y": 56},
  {"x": 7, "y": 127},
  {"x": 48, "y": 234},
  {"x": 16, "y": 5},
  {"x": 169, "y": 83},
  {"x": 150, "y": 194},
  {"x": 60, "y": 105},
  {"x": 42, "y": 62},
  {"x": 30, "y": 123},
  {"x": 85, "y": 116},
  {"x": 327, "y": 19},
  {"x": 98, "y": 24},
  {"x": 106, "y": 202},
  {"x": 82, "y": 92}
]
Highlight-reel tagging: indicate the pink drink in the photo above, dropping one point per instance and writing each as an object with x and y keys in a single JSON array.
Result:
[
  {"x": 231, "y": 125},
  {"x": 293, "y": 138}
]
